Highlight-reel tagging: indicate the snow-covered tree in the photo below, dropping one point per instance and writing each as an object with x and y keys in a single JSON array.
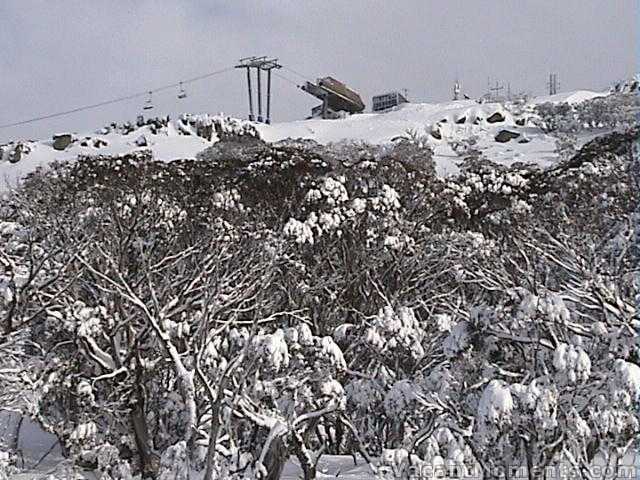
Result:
[{"x": 212, "y": 318}]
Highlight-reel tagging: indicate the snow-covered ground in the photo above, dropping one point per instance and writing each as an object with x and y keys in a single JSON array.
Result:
[
  {"x": 571, "y": 98},
  {"x": 166, "y": 145},
  {"x": 379, "y": 128},
  {"x": 38, "y": 449},
  {"x": 332, "y": 466},
  {"x": 343, "y": 467},
  {"x": 453, "y": 120}
]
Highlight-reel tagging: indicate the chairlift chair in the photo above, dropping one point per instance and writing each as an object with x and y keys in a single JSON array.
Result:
[
  {"x": 148, "y": 105},
  {"x": 182, "y": 93}
]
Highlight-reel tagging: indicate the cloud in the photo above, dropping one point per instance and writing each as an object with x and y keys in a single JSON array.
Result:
[{"x": 57, "y": 55}]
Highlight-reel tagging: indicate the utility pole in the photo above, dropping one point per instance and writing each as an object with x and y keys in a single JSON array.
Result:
[
  {"x": 259, "y": 64},
  {"x": 553, "y": 83}
]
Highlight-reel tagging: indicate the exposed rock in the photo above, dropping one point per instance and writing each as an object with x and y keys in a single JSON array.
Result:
[
  {"x": 505, "y": 135},
  {"x": 524, "y": 139},
  {"x": 141, "y": 141},
  {"x": 496, "y": 118},
  {"x": 461, "y": 120},
  {"x": 183, "y": 130},
  {"x": 127, "y": 128},
  {"x": 527, "y": 166},
  {"x": 16, "y": 154},
  {"x": 520, "y": 122},
  {"x": 435, "y": 132},
  {"x": 62, "y": 141},
  {"x": 99, "y": 143}
]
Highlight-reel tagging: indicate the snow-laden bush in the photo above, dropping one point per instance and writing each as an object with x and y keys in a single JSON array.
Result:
[
  {"x": 616, "y": 110},
  {"x": 176, "y": 318}
]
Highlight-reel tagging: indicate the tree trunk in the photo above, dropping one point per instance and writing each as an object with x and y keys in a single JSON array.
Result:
[
  {"x": 8, "y": 328},
  {"x": 309, "y": 471},
  {"x": 15, "y": 443},
  {"x": 141, "y": 431},
  {"x": 213, "y": 432},
  {"x": 141, "y": 434},
  {"x": 275, "y": 459},
  {"x": 308, "y": 466},
  {"x": 307, "y": 462}
]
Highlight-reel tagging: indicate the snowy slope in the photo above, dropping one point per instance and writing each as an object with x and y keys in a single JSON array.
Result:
[
  {"x": 422, "y": 118},
  {"x": 571, "y": 98},
  {"x": 452, "y": 120},
  {"x": 165, "y": 145},
  {"x": 379, "y": 127}
]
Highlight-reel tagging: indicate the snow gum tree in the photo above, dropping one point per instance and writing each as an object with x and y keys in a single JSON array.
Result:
[{"x": 213, "y": 318}]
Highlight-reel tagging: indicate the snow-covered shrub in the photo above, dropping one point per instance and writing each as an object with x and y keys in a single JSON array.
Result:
[
  {"x": 613, "y": 111},
  {"x": 565, "y": 146},
  {"x": 465, "y": 147},
  {"x": 494, "y": 411},
  {"x": 182, "y": 319}
]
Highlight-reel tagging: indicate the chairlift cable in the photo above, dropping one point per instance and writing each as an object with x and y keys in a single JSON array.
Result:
[
  {"x": 285, "y": 79},
  {"x": 298, "y": 74},
  {"x": 115, "y": 100}
]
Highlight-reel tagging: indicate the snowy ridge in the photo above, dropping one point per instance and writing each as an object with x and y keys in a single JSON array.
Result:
[
  {"x": 572, "y": 98},
  {"x": 442, "y": 123}
]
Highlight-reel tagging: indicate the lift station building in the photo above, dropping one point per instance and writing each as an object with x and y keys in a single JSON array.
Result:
[
  {"x": 388, "y": 100},
  {"x": 336, "y": 98}
]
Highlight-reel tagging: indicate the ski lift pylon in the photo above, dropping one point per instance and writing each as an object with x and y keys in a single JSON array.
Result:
[
  {"x": 148, "y": 105},
  {"x": 182, "y": 93}
]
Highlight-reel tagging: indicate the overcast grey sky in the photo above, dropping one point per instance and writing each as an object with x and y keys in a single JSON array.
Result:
[{"x": 56, "y": 55}]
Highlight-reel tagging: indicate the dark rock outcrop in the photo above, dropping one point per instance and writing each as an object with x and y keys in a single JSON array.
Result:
[
  {"x": 496, "y": 118},
  {"x": 62, "y": 141},
  {"x": 16, "y": 154},
  {"x": 505, "y": 136},
  {"x": 436, "y": 133}
]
